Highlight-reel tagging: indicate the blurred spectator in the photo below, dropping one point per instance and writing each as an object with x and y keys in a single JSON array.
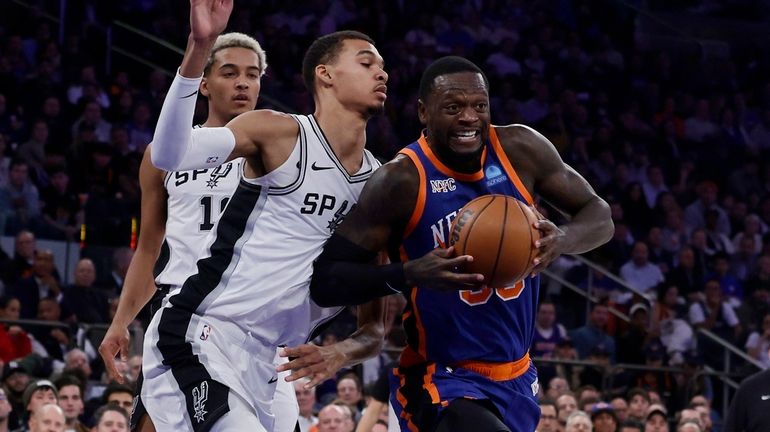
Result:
[
  {"x": 89, "y": 87},
  {"x": 111, "y": 418},
  {"x": 566, "y": 404},
  {"x": 84, "y": 302},
  {"x": 42, "y": 283},
  {"x": 638, "y": 403},
  {"x": 593, "y": 334},
  {"x": 631, "y": 344},
  {"x": 631, "y": 426},
  {"x": 71, "y": 402},
  {"x": 640, "y": 273},
  {"x": 578, "y": 421},
  {"x": 23, "y": 257},
  {"x": 689, "y": 274},
  {"x": 657, "y": 419},
  {"x": 37, "y": 394},
  {"x": 20, "y": 199},
  {"x": 620, "y": 407},
  {"x": 653, "y": 185},
  {"x": 119, "y": 395},
  {"x": 548, "y": 333},
  {"x": 15, "y": 381},
  {"x": 306, "y": 402},
  {"x": 708, "y": 417},
  {"x": 49, "y": 417},
  {"x": 14, "y": 341},
  {"x": 55, "y": 340},
  {"x": 695, "y": 213},
  {"x": 548, "y": 419},
  {"x": 33, "y": 151},
  {"x": 135, "y": 369},
  {"x": 62, "y": 212},
  {"x": 715, "y": 314},
  {"x": 604, "y": 418},
  {"x": 92, "y": 117},
  {"x": 113, "y": 283},
  {"x": 350, "y": 391},
  {"x": 732, "y": 289},
  {"x": 758, "y": 342},
  {"x": 557, "y": 386}
]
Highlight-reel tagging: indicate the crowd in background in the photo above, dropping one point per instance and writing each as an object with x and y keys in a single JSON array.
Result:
[{"x": 676, "y": 141}]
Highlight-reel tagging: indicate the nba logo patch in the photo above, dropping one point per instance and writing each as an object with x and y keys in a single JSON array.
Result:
[
  {"x": 212, "y": 159},
  {"x": 205, "y": 332}
]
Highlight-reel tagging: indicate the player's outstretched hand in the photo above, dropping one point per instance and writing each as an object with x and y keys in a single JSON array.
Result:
[
  {"x": 439, "y": 269},
  {"x": 208, "y": 18},
  {"x": 114, "y": 342},
  {"x": 317, "y": 363},
  {"x": 549, "y": 246}
]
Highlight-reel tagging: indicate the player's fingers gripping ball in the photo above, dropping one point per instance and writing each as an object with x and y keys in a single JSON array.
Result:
[{"x": 498, "y": 232}]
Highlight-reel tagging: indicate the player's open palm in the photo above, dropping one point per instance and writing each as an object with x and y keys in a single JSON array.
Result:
[
  {"x": 115, "y": 341},
  {"x": 439, "y": 269},
  {"x": 208, "y": 18},
  {"x": 317, "y": 363}
]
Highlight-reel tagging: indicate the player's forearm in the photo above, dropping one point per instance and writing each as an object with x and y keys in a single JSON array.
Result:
[
  {"x": 590, "y": 228},
  {"x": 138, "y": 289},
  {"x": 344, "y": 275},
  {"x": 365, "y": 343},
  {"x": 195, "y": 57}
]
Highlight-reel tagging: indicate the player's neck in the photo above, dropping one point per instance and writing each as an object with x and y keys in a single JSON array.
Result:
[
  {"x": 346, "y": 132},
  {"x": 215, "y": 119}
]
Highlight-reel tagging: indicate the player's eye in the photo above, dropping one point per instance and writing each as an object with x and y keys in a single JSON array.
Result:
[
  {"x": 253, "y": 76},
  {"x": 366, "y": 65}
]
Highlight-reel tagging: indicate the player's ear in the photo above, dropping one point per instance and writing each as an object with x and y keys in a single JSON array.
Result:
[
  {"x": 323, "y": 75},
  {"x": 204, "y": 88},
  {"x": 422, "y": 112}
]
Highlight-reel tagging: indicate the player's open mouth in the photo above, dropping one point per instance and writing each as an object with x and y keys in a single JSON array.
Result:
[
  {"x": 466, "y": 135},
  {"x": 241, "y": 97}
]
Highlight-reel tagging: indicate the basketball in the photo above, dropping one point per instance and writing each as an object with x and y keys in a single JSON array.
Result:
[{"x": 497, "y": 231}]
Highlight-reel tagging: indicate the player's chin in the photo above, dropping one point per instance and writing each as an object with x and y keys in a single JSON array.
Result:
[
  {"x": 465, "y": 146},
  {"x": 376, "y": 109}
]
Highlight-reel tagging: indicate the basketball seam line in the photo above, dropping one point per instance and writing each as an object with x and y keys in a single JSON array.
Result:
[
  {"x": 502, "y": 237},
  {"x": 473, "y": 222}
]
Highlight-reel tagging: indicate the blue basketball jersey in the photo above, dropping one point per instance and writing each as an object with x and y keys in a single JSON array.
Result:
[{"x": 488, "y": 325}]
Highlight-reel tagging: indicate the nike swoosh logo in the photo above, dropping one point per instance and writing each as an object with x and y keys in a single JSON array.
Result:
[
  {"x": 191, "y": 94},
  {"x": 320, "y": 168},
  {"x": 765, "y": 397},
  {"x": 272, "y": 380}
]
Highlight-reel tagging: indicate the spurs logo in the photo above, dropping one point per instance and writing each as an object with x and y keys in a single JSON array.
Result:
[
  {"x": 200, "y": 395},
  {"x": 219, "y": 172}
]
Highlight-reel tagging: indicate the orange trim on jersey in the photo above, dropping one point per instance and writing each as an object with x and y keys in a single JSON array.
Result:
[
  {"x": 402, "y": 400},
  {"x": 507, "y": 165},
  {"x": 498, "y": 371},
  {"x": 419, "y": 206},
  {"x": 429, "y": 385},
  {"x": 448, "y": 171}
]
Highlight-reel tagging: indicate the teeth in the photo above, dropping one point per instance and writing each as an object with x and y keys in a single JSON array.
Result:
[{"x": 466, "y": 134}]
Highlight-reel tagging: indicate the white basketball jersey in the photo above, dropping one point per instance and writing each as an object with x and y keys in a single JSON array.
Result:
[
  {"x": 196, "y": 199},
  {"x": 257, "y": 266}
]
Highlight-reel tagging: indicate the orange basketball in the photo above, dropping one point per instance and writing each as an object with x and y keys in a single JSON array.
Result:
[{"x": 497, "y": 231}]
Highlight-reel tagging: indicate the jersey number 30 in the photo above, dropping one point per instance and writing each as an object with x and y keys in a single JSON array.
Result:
[
  {"x": 479, "y": 297},
  {"x": 206, "y": 201}
]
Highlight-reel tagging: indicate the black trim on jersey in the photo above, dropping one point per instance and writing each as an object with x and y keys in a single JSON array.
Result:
[
  {"x": 322, "y": 325},
  {"x": 355, "y": 178},
  {"x": 285, "y": 190},
  {"x": 163, "y": 258},
  {"x": 191, "y": 376}
]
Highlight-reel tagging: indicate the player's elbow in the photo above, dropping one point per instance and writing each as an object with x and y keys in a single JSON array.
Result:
[{"x": 162, "y": 159}]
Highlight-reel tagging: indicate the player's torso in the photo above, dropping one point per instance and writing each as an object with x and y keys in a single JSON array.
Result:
[
  {"x": 273, "y": 241},
  {"x": 196, "y": 199},
  {"x": 490, "y": 324}
]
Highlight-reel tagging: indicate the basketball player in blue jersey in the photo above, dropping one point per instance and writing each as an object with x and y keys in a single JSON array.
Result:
[
  {"x": 209, "y": 352},
  {"x": 466, "y": 365}
]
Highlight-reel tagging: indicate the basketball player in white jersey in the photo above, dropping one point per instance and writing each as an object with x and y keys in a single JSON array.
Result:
[
  {"x": 185, "y": 205},
  {"x": 208, "y": 357}
]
